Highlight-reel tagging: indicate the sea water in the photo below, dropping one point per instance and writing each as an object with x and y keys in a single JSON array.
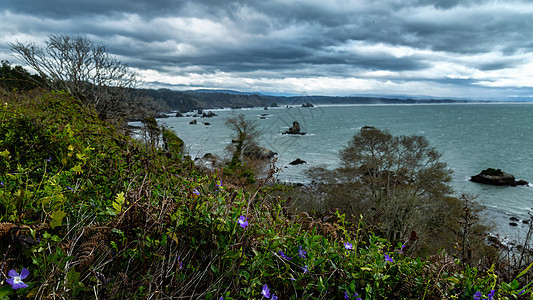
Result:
[{"x": 471, "y": 137}]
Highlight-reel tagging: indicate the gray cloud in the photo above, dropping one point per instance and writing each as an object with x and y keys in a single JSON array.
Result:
[{"x": 283, "y": 45}]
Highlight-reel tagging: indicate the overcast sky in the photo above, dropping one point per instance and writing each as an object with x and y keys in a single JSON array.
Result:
[{"x": 448, "y": 48}]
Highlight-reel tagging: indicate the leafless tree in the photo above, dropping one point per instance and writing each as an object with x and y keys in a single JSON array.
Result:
[{"x": 85, "y": 69}]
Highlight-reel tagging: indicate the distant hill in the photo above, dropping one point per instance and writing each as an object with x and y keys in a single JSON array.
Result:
[{"x": 166, "y": 100}]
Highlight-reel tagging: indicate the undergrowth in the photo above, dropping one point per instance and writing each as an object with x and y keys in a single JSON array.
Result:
[{"x": 94, "y": 213}]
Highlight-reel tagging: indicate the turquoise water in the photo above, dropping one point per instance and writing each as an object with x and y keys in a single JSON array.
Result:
[{"x": 470, "y": 137}]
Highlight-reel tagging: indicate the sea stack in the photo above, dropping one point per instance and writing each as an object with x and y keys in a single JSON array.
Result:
[{"x": 295, "y": 129}]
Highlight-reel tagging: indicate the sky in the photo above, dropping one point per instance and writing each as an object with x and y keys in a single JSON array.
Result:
[{"x": 469, "y": 49}]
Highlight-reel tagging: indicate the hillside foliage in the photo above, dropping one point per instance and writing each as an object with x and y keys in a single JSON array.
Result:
[{"x": 91, "y": 213}]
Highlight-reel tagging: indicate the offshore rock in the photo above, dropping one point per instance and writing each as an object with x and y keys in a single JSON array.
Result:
[
  {"x": 295, "y": 129},
  {"x": 210, "y": 114},
  {"x": 297, "y": 162},
  {"x": 259, "y": 153},
  {"x": 496, "y": 177}
]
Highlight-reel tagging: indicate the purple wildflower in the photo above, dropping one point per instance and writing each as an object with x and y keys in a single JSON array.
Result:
[
  {"x": 355, "y": 296},
  {"x": 219, "y": 184},
  {"x": 348, "y": 246},
  {"x": 388, "y": 258},
  {"x": 1, "y": 183},
  {"x": 274, "y": 297},
  {"x": 301, "y": 252},
  {"x": 195, "y": 191},
  {"x": 180, "y": 262},
  {"x": 284, "y": 256},
  {"x": 477, "y": 295},
  {"x": 69, "y": 188},
  {"x": 265, "y": 292},
  {"x": 491, "y": 294},
  {"x": 305, "y": 269},
  {"x": 16, "y": 280},
  {"x": 242, "y": 221},
  {"x": 521, "y": 292}
]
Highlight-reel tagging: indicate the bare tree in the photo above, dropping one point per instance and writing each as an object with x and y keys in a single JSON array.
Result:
[{"x": 84, "y": 69}]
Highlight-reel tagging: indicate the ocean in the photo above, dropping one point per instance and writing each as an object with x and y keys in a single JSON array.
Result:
[{"x": 471, "y": 137}]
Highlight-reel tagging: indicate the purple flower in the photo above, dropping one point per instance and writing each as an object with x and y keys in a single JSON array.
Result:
[
  {"x": 274, "y": 297},
  {"x": 388, "y": 258},
  {"x": 180, "y": 262},
  {"x": 265, "y": 292},
  {"x": 242, "y": 221},
  {"x": 521, "y": 292},
  {"x": 355, "y": 296},
  {"x": 69, "y": 188},
  {"x": 195, "y": 191},
  {"x": 348, "y": 246},
  {"x": 491, "y": 294},
  {"x": 16, "y": 280},
  {"x": 49, "y": 159},
  {"x": 305, "y": 269},
  {"x": 284, "y": 256},
  {"x": 219, "y": 184},
  {"x": 301, "y": 252},
  {"x": 1, "y": 183},
  {"x": 477, "y": 295}
]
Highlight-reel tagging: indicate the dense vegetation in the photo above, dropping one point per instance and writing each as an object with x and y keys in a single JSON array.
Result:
[
  {"x": 92, "y": 213},
  {"x": 87, "y": 211}
]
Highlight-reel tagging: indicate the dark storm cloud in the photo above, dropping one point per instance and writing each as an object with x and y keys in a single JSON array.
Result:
[{"x": 264, "y": 41}]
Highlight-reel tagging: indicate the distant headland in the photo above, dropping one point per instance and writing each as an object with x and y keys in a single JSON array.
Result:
[{"x": 166, "y": 100}]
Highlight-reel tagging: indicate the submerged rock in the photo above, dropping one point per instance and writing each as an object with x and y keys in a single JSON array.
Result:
[
  {"x": 193, "y": 122},
  {"x": 496, "y": 177}
]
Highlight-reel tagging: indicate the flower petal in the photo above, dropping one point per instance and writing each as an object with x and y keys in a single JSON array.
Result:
[
  {"x": 19, "y": 285},
  {"x": 24, "y": 273},
  {"x": 12, "y": 273}
]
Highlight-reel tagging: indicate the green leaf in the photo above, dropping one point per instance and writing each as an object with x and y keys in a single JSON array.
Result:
[
  {"x": 76, "y": 169},
  {"x": 4, "y": 153},
  {"x": 525, "y": 271},
  {"x": 119, "y": 201},
  {"x": 72, "y": 276},
  {"x": 5, "y": 291},
  {"x": 57, "y": 218}
]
